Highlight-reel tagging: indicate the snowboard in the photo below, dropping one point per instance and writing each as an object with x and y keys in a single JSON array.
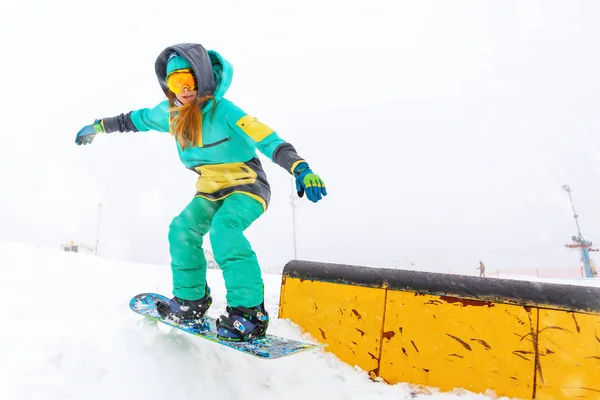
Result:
[{"x": 267, "y": 348}]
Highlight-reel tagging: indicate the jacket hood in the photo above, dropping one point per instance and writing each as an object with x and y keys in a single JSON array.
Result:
[
  {"x": 222, "y": 72},
  {"x": 213, "y": 72}
]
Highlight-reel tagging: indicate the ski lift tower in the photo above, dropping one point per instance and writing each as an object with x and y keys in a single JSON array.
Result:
[{"x": 579, "y": 242}]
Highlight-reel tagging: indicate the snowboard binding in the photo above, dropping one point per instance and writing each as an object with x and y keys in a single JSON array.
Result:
[
  {"x": 185, "y": 311},
  {"x": 243, "y": 324}
]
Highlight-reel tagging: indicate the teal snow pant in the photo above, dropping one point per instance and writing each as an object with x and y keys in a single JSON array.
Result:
[{"x": 226, "y": 221}]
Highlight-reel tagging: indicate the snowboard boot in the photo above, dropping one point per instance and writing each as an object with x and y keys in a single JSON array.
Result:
[
  {"x": 185, "y": 311},
  {"x": 243, "y": 324}
]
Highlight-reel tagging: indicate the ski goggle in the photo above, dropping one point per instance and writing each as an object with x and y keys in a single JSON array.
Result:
[{"x": 180, "y": 79}]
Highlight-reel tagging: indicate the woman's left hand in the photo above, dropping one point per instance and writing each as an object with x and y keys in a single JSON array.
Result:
[{"x": 309, "y": 183}]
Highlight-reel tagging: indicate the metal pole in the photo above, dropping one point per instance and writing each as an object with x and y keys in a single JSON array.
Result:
[
  {"x": 293, "y": 203},
  {"x": 584, "y": 244},
  {"x": 568, "y": 189},
  {"x": 98, "y": 229},
  {"x": 574, "y": 214}
]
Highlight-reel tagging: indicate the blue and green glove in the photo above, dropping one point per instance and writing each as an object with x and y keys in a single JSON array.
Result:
[
  {"x": 87, "y": 133},
  {"x": 309, "y": 183}
]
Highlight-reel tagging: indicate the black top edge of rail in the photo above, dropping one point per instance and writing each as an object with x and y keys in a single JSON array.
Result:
[{"x": 567, "y": 297}]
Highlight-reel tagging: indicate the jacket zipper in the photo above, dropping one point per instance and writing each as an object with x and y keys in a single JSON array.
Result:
[{"x": 227, "y": 139}]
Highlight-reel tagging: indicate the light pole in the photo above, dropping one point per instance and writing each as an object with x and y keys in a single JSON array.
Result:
[
  {"x": 293, "y": 197},
  {"x": 579, "y": 241},
  {"x": 98, "y": 229},
  {"x": 568, "y": 189}
]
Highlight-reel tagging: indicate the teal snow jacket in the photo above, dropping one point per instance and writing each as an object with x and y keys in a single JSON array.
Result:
[{"x": 226, "y": 158}]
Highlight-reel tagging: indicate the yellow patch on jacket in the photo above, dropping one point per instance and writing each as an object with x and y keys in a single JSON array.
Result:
[
  {"x": 254, "y": 128},
  {"x": 221, "y": 176}
]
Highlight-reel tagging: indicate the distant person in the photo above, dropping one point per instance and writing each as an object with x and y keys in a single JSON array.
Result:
[
  {"x": 481, "y": 269},
  {"x": 218, "y": 141}
]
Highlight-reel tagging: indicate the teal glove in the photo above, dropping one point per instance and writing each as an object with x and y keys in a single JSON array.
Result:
[
  {"x": 87, "y": 133},
  {"x": 309, "y": 182}
]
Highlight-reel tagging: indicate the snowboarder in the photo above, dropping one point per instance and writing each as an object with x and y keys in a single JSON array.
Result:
[{"x": 218, "y": 141}]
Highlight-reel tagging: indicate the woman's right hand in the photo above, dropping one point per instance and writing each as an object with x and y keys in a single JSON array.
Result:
[{"x": 87, "y": 133}]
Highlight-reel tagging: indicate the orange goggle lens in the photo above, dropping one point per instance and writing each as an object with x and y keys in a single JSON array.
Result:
[{"x": 178, "y": 80}]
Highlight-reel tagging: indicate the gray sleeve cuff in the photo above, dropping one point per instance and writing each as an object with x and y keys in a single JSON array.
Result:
[
  {"x": 120, "y": 123},
  {"x": 286, "y": 157}
]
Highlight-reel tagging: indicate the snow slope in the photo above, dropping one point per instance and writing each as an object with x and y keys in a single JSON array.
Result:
[{"x": 68, "y": 334}]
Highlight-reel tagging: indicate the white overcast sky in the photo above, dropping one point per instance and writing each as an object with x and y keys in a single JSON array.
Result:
[{"x": 443, "y": 129}]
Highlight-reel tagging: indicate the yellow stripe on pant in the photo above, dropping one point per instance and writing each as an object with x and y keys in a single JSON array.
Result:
[{"x": 520, "y": 339}]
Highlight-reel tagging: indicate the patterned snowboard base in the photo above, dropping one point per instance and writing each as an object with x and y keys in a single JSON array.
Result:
[{"x": 270, "y": 347}]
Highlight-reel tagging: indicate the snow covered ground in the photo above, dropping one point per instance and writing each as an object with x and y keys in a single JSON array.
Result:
[{"x": 68, "y": 333}]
